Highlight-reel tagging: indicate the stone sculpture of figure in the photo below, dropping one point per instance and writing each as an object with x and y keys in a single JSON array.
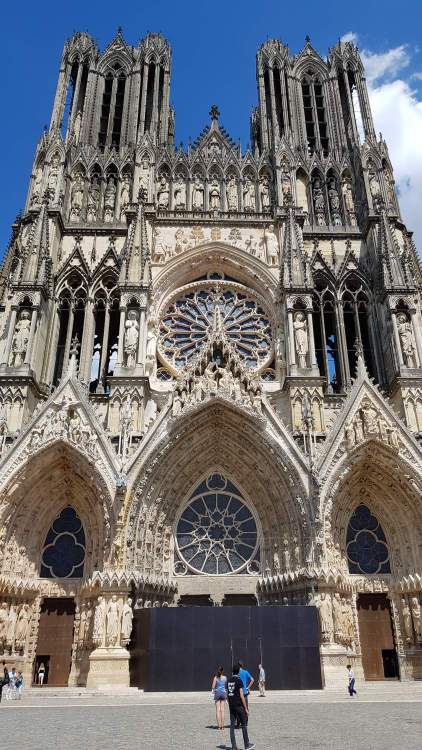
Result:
[
  {"x": 334, "y": 203},
  {"x": 99, "y": 621},
  {"x": 276, "y": 560},
  {"x": 20, "y": 339},
  {"x": 77, "y": 126},
  {"x": 391, "y": 190},
  {"x": 300, "y": 327},
  {"x": 163, "y": 193},
  {"x": 130, "y": 345},
  {"x": 22, "y": 626},
  {"x": 338, "y": 618},
  {"x": 326, "y": 617},
  {"x": 214, "y": 195},
  {"x": 226, "y": 379},
  {"x": 177, "y": 402},
  {"x": 286, "y": 185},
  {"x": 127, "y": 617},
  {"x": 232, "y": 194},
  {"x": 286, "y": 555},
  {"x": 110, "y": 200},
  {"x": 113, "y": 617},
  {"x": 346, "y": 187},
  {"x": 209, "y": 377},
  {"x": 407, "y": 620},
  {"x": 271, "y": 245},
  {"x": 124, "y": 193},
  {"x": 319, "y": 203},
  {"x": 375, "y": 189},
  {"x": 36, "y": 190},
  {"x": 265, "y": 193},
  {"x": 249, "y": 202},
  {"x": 76, "y": 197},
  {"x": 197, "y": 194},
  {"x": 144, "y": 177},
  {"x": 75, "y": 432},
  {"x": 4, "y": 616},
  {"x": 416, "y": 617},
  {"x": 93, "y": 200},
  {"x": 11, "y": 627},
  {"x": 407, "y": 340},
  {"x": 370, "y": 420},
  {"x": 151, "y": 349},
  {"x": 180, "y": 192},
  {"x": 53, "y": 176}
]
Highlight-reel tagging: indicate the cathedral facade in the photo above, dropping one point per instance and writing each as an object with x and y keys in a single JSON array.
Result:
[{"x": 210, "y": 369}]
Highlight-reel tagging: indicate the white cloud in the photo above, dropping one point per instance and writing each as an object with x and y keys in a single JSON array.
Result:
[
  {"x": 350, "y": 37},
  {"x": 397, "y": 113}
]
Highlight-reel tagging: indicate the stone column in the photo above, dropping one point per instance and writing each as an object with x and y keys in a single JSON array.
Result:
[
  {"x": 75, "y": 99},
  {"x": 68, "y": 340},
  {"x": 397, "y": 340},
  {"x": 312, "y": 354},
  {"x": 119, "y": 362},
  {"x": 87, "y": 343},
  {"x": 145, "y": 77},
  {"x": 142, "y": 337},
  {"x": 292, "y": 349},
  {"x": 12, "y": 324},
  {"x": 417, "y": 334},
  {"x": 34, "y": 316},
  {"x": 273, "y": 107},
  {"x": 104, "y": 347}
]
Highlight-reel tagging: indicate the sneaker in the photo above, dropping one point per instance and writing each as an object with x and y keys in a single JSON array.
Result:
[{"x": 250, "y": 746}]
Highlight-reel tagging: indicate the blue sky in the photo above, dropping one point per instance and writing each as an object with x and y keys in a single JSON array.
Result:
[{"x": 214, "y": 46}]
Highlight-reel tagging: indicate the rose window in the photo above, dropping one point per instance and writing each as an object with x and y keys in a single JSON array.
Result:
[
  {"x": 367, "y": 549},
  {"x": 216, "y": 534},
  {"x": 186, "y": 323}
]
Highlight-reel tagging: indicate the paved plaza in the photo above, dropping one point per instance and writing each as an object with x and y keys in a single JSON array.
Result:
[{"x": 387, "y": 716}]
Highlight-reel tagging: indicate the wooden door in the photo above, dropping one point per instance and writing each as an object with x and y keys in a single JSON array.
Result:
[
  {"x": 55, "y": 637},
  {"x": 376, "y": 634}
]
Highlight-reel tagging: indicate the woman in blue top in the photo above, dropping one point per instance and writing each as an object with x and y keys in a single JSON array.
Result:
[{"x": 218, "y": 687}]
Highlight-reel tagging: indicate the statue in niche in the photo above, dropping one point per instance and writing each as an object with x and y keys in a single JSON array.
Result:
[
  {"x": 22, "y": 626},
  {"x": 77, "y": 197},
  {"x": 407, "y": 341},
  {"x": 197, "y": 194},
  {"x": 416, "y": 616},
  {"x": 270, "y": 243},
  {"x": 53, "y": 176},
  {"x": 407, "y": 620},
  {"x": 276, "y": 560},
  {"x": 20, "y": 339},
  {"x": 265, "y": 193},
  {"x": 286, "y": 185},
  {"x": 163, "y": 192},
  {"x": 151, "y": 342},
  {"x": 319, "y": 203},
  {"x": 125, "y": 193},
  {"x": 334, "y": 203},
  {"x": 346, "y": 187},
  {"x": 232, "y": 194},
  {"x": 214, "y": 195},
  {"x": 11, "y": 627},
  {"x": 93, "y": 200},
  {"x": 4, "y": 616},
  {"x": 113, "y": 617},
  {"x": 391, "y": 190},
  {"x": 300, "y": 328},
  {"x": 180, "y": 192},
  {"x": 36, "y": 190},
  {"x": 77, "y": 126},
  {"x": 286, "y": 555},
  {"x": 249, "y": 203},
  {"x": 144, "y": 177},
  {"x": 127, "y": 618},
  {"x": 110, "y": 200},
  {"x": 375, "y": 189},
  {"x": 130, "y": 345},
  {"x": 338, "y": 618},
  {"x": 3, "y": 434},
  {"x": 326, "y": 617}
]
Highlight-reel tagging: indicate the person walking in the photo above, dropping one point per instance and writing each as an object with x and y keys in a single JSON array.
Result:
[
  {"x": 19, "y": 685},
  {"x": 261, "y": 681},
  {"x": 351, "y": 681},
  {"x": 4, "y": 679},
  {"x": 238, "y": 709},
  {"x": 41, "y": 674},
  {"x": 219, "y": 689},
  {"x": 247, "y": 681},
  {"x": 11, "y": 688}
]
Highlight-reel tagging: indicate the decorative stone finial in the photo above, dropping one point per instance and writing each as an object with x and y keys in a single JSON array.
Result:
[
  {"x": 73, "y": 361},
  {"x": 214, "y": 113}
]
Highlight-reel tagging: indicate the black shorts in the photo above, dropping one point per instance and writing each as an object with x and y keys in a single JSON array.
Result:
[{"x": 237, "y": 713}]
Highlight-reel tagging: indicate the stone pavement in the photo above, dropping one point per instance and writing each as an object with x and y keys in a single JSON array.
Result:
[{"x": 383, "y": 716}]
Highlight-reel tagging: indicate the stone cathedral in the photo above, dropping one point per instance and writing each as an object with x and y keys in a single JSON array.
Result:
[{"x": 210, "y": 369}]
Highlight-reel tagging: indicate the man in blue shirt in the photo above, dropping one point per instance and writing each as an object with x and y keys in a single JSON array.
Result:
[{"x": 247, "y": 682}]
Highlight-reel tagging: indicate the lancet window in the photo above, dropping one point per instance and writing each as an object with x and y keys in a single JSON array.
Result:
[
  {"x": 356, "y": 315},
  {"x": 314, "y": 111},
  {"x": 71, "y": 318},
  {"x": 112, "y": 108},
  {"x": 326, "y": 336},
  {"x": 367, "y": 550},
  {"x": 105, "y": 348},
  {"x": 63, "y": 554}
]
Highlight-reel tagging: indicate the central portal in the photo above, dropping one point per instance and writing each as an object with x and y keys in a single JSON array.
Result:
[{"x": 180, "y": 648}]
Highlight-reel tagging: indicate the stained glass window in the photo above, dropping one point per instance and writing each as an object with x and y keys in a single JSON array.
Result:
[
  {"x": 367, "y": 550},
  {"x": 184, "y": 327},
  {"x": 63, "y": 554},
  {"x": 216, "y": 533}
]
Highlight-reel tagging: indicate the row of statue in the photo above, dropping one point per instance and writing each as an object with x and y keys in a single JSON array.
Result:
[
  {"x": 65, "y": 422},
  {"x": 286, "y": 559},
  {"x": 112, "y": 622},
  {"x": 412, "y": 620},
  {"x": 336, "y": 618},
  {"x": 368, "y": 423},
  {"x": 231, "y": 195},
  {"x": 14, "y": 627},
  {"x": 89, "y": 197},
  {"x": 375, "y": 188},
  {"x": 340, "y": 208}
]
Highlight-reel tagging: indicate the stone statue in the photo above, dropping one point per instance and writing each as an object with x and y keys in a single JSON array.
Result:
[
  {"x": 407, "y": 341},
  {"x": 113, "y": 617},
  {"x": 124, "y": 193},
  {"x": 270, "y": 242},
  {"x": 337, "y": 618},
  {"x": 163, "y": 193},
  {"x": 144, "y": 177},
  {"x": 286, "y": 555},
  {"x": 214, "y": 195},
  {"x": 11, "y": 627},
  {"x": 407, "y": 620},
  {"x": 180, "y": 193},
  {"x": 99, "y": 621},
  {"x": 20, "y": 339},
  {"x": 300, "y": 327},
  {"x": 232, "y": 194},
  {"x": 76, "y": 197},
  {"x": 22, "y": 626},
  {"x": 93, "y": 200},
  {"x": 130, "y": 345},
  {"x": 319, "y": 203},
  {"x": 197, "y": 194},
  {"x": 334, "y": 203},
  {"x": 375, "y": 189},
  {"x": 286, "y": 185},
  {"x": 127, "y": 618},
  {"x": 349, "y": 205},
  {"x": 249, "y": 202},
  {"x": 416, "y": 617},
  {"x": 276, "y": 560},
  {"x": 4, "y": 616},
  {"x": 151, "y": 343},
  {"x": 110, "y": 200},
  {"x": 265, "y": 193},
  {"x": 326, "y": 617},
  {"x": 53, "y": 175},
  {"x": 36, "y": 190},
  {"x": 391, "y": 190},
  {"x": 77, "y": 126}
]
